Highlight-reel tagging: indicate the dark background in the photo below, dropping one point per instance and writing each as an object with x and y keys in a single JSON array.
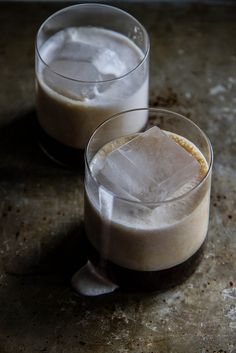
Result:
[{"x": 193, "y": 62}]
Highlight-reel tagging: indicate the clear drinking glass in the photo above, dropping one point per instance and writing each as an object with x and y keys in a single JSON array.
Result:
[
  {"x": 92, "y": 61},
  {"x": 136, "y": 247}
]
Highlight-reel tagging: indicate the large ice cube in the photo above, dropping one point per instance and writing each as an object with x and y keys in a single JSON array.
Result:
[
  {"x": 149, "y": 168},
  {"x": 87, "y": 62},
  {"x": 75, "y": 55}
]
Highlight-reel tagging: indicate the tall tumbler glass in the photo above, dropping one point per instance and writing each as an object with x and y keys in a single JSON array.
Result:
[
  {"x": 136, "y": 245},
  {"x": 92, "y": 61}
]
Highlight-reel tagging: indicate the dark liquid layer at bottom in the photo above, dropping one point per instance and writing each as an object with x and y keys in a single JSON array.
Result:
[
  {"x": 60, "y": 153},
  {"x": 143, "y": 281}
]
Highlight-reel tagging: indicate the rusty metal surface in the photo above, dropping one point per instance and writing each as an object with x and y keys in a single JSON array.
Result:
[{"x": 193, "y": 69}]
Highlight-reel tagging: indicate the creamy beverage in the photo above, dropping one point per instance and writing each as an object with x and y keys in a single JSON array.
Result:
[
  {"x": 85, "y": 76},
  {"x": 149, "y": 248}
]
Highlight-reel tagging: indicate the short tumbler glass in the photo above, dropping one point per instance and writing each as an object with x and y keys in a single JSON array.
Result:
[
  {"x": 136, "y": 247},
  {"x": 72, "y": 99}
]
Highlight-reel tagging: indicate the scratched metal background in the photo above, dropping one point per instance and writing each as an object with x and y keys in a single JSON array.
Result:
[{"x": 193, "y": 71}]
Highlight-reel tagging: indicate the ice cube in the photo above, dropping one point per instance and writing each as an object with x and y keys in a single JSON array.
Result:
[
  {"x": 68, "y": 88},
  {"x": 108, "y": 63},
  {"x": 149, "y": 168},
  {"x": 75, "y": 55}
]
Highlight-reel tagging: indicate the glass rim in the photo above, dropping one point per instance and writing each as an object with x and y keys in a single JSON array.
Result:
[
  {"x": 146, "y": 53},
  {"x": 164, "y": 202}
]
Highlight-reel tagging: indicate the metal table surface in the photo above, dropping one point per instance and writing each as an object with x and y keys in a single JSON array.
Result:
[{"x": 193, "y": 62}]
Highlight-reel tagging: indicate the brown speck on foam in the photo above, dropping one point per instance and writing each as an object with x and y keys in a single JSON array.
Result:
[{"x": 192, "y": 150}]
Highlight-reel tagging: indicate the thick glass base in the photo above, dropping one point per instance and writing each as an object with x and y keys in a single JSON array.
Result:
[
  {"x": 58, "y": 152},
  {"x": 143, "y": 281}
]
